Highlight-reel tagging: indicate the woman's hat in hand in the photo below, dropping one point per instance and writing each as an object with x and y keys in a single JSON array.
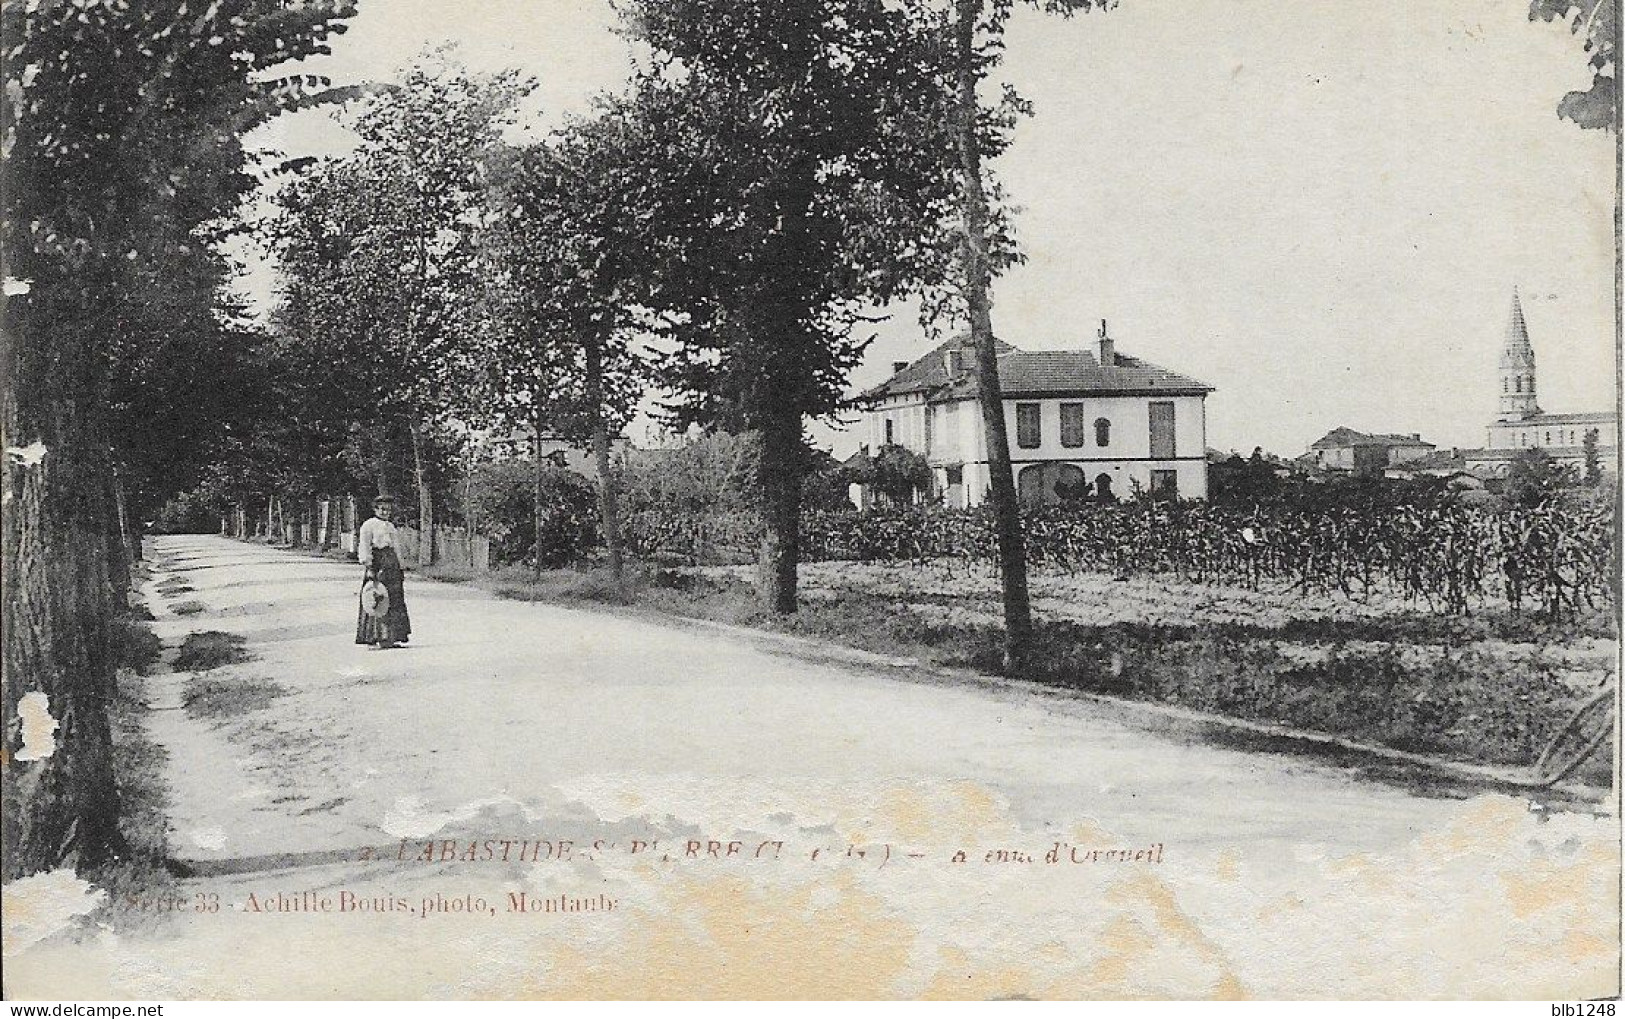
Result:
[{"x": 374, "y": 599}]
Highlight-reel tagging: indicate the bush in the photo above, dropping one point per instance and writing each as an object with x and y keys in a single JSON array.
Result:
[
  {"x": 712, "y": 474},
  {"x": 188, "y": 513},
  {"x": 134, "y": 645},
  {"x": 503, "y": 495},
  {"x": 900, "y": 473},
  {"x": 1535, "y": 478}
]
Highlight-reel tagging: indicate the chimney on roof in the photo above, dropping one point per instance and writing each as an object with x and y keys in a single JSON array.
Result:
[
  {"x": 1108, "y": 348},
  {"x": 897, "y": 366}
]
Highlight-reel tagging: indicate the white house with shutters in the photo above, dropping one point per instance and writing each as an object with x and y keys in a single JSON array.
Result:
[{"x": 1082, "y": 423}]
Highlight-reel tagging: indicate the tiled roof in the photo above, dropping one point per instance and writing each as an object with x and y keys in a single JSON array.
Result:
[
  {"x": 1603, "y": 417},
  {"x": 1339, "y": 438},
  {"x": 930, "y": 372},
  {"x": 1441, "y": 460},
  {"x": 1037, "y": 373}
]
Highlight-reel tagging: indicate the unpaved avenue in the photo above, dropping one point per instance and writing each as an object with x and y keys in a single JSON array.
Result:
[{"x": 352, "y": 830}]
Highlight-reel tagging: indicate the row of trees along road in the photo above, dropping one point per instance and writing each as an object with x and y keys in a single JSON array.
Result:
[
  {"x": 772, "y": 171},
  {"x": 121, "y": 133}
]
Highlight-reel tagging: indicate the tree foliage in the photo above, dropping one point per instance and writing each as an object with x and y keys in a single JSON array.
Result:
[
  {"x": 1535, "y": 477},
  {"x": 1593, "y": 458},
  {"x": 1596, "y": 23},
  {"x": 381, "y": 261},
  {"x": 796, "y": 154},
  {"x": 900, "y": 474}
]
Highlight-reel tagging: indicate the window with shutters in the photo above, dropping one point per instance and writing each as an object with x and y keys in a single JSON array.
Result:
[
  {"x": 1029, "y": 430},
  {"x": 1072, "y": 425},
  {"x": 1162, "y": 429}
]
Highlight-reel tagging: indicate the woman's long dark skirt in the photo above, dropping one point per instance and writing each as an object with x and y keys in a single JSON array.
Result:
[{"x": 396, "y": 625}]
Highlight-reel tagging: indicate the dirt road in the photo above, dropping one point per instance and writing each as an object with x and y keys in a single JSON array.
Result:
[{"x": 537, "y": 801}]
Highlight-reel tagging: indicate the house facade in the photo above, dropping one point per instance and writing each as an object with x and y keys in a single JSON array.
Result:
[
  {"x": 1372, "y": 453},
  {"x": 1081, "y": 423}
]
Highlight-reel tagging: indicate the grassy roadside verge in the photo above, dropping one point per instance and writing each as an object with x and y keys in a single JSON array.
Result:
[
  {"x": 1445, "y": 687},
  {"x": 138, "y": 769}
]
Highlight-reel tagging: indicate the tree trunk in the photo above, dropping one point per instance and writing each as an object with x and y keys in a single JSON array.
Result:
[
  {"x": 608, "y": 515},
  {"x": 536, "y": 493},
  {"x": 781, "y": 507},
  {"x": 120, "y": 554},
  {"x": 469, "y": 522},
  {"x": 1018, "y": 623},
  {"x": 129, "y": 531},
  {"x": 425, "y": 496},
  {"x": 62, "y": 807}
]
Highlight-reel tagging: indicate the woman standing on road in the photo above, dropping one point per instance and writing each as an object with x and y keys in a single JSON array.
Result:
[{"x": 376, "y": 549}]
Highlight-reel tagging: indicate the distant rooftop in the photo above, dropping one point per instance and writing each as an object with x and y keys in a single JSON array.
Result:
[
  {"x": 1602, "y": 417},
  {"x": 1024, "y": 373},
  {"x": 1341, "y": 437}
]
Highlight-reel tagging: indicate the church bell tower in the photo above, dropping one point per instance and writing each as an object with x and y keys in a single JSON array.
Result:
[{"x": 1517, "y": 369}]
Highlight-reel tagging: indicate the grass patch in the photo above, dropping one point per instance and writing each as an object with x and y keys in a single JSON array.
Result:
[
  {"x": 188, "y": 608},
  {"x": 450, "y": 573},
  {"x": 589, "y": 585},
  {"x": 134, "y": 646},
  {"x": 221, "y": 698},
  {"x": 210, "y": 649},
  {"x": 1462, "y": 704},
  {"x": 138, "y": 765}
]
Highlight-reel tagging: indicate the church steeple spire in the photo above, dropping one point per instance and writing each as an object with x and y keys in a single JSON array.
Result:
[{"x": 1517, "y": 368}]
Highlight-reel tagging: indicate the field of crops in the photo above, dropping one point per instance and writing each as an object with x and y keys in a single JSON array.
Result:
[
  {"x": 1448, "y": 558},
  {"x": 1465, "y": 633}
]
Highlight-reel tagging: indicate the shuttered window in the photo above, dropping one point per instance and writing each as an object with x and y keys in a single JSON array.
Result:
[
  {"x": 1029, "y": 431},
  {"x": 1162, "y": 430},
  {"x": 1072, "y": 430}
]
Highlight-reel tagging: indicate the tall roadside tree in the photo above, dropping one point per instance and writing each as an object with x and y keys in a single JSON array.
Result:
[
  {"x": 980, "y": 133},
  {"x": 572, "y": 262},
  {"x": 121, "y": 130},
  {"x": 794, "y": 154},
  {"x": 379, "y": 253}
]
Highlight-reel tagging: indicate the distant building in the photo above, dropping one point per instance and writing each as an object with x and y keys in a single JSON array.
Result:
[
  {"x": 1344, "y": 449},
  {"x": 1082, "y": 423},
  {"x": 1521, "y": 424},
  {"x": 1441, "y": 463}
]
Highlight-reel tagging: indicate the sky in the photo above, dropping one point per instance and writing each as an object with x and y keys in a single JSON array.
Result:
[{"x": 1319, "y": 208}]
